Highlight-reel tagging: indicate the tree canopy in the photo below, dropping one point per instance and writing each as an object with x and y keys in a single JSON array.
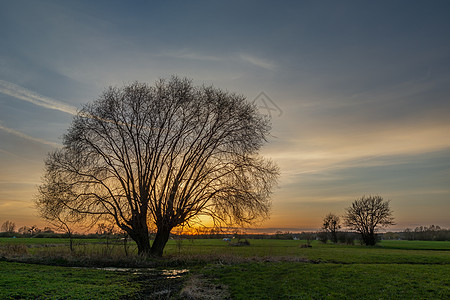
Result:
[
  {"x": 164, "y": 154},
  {"x": 331, "y": 224},
  {"x": 367, "y": 214}
]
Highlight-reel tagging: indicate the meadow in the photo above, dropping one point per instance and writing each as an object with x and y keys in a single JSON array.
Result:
[{"x": 266, "y": 269}]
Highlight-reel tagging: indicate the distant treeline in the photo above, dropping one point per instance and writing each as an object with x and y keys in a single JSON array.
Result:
[
  {"x": 421, "y": 233},
  {"x": 46, "y": 234},
  {"x": 432, "y": 233}
]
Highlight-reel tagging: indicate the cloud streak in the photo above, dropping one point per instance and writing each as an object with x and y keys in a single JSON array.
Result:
[
  {"x": 340, "y": 148},
  {"x": 236, "y": 58},
  {"x": 27, "y": 137},
  {"x": 256, "y": 61},
  {"x": 190, "y": 55},
  {"x": 22, "y": 93}
]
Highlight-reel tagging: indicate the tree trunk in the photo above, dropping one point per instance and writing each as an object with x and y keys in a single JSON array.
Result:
[
  {"x": 138, "y": 232},
  {"x": 334, "y": 238},
  {"x": 369, "y": 239},
  {"x": 161, "y": 238},
  {"x": 142, "y": 241},
  {"x": 70, "y": 241}
]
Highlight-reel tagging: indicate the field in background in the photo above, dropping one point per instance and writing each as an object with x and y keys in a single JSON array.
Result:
[{"x": 265, "y": 269}]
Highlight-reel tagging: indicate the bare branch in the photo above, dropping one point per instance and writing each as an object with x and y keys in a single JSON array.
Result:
[
  {"x": 164, "y": 154},
  {"x": 367, "y": 214}
]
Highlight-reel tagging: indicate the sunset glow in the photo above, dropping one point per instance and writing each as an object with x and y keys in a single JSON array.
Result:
[{"x": 359, "y": 94}]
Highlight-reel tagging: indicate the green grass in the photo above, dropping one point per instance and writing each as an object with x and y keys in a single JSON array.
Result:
[
  {"x": 387, "y": 252},
  {"x": 416, "y": 245},
  {"x": 27, "y": 281},
  {"x": 217, "y": 246},
  {"x": 372, "y": 255},
  {"x": 392, "y": 270},
  {"x": 320, "y": 281},
  {"x": 267, "y": 269},
  {"x": 396, "y": 252}
]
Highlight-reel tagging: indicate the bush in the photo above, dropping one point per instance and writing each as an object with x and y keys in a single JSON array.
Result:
[{"x": 240, "y": 242}]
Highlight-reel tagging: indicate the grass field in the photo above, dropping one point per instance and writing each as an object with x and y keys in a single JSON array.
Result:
[
  {"x": 28, "y": 281},
  {"x": 267, "y": 269},
  {"x": 356, "y": 281}
]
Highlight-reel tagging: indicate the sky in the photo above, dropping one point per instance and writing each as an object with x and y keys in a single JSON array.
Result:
[{"x": 358, "y": 91}]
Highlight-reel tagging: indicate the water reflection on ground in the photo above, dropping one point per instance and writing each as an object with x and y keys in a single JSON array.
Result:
[{"x": 167, "y": 273}]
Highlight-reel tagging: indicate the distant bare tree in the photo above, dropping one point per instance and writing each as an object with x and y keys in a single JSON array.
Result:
[
  {"x": 366, "y": 214},
  {"x": 23, "y": 230},
  {"x": 331, "y": 224},
  {"x": 166, "y": 154},
  {"x": 8, "y": 226},
  {"x": 105, "y": 228},
  {"x": 33, "y": 230},
  {"x": 48, "y": 229}
]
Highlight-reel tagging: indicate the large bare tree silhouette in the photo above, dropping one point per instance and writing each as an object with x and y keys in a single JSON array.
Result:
[{"x": 165, "y": 154}]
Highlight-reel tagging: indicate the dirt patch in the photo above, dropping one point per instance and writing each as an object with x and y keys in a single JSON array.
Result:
[
  {"x": 158, "y": 285},
  {"x": 199, "y": 287}
]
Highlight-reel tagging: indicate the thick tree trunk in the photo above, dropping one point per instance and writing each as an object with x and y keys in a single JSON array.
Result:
[
  {"x": 142, "y": 241},
  {"x": 139, "y": 234},
  {"x": 369, "y": 239},
  {"x": 161, "y": 238},
  {"x": 334, "y": 238}
]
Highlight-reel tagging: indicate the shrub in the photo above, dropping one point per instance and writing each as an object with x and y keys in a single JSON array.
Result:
[{"x": 241, "y": 242}]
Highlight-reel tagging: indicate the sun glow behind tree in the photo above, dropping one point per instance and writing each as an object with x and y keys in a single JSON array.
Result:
[{"x": 167, "y": 155}]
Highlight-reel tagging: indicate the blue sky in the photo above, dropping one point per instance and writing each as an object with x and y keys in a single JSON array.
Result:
[{"x": 362, "y": 86}]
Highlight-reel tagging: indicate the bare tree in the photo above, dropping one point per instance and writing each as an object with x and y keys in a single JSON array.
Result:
[
  {"x": 23, "y": 230},
  {"x": 48, "y": 229},
  {"x": 33, "y": 230},
  {"x": 165, "y": 155},
  {"x": 105, "y": 229},
  {"x": 8, "y": 226},
  {"x": 366, "y": 214},
  {"x": 331, "y": 224},
  {"x": 51, "y": 205}
]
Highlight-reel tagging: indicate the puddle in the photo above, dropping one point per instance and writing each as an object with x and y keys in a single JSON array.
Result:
[
  {"x": 154, "y": 283},
  {"x": 135, "y": 271},
  {"x": 167, "y": 273},
  {"x": 174, "y": 273}
]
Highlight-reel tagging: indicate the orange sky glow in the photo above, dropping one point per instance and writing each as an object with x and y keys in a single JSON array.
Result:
[{"x": 359, "y": 101}]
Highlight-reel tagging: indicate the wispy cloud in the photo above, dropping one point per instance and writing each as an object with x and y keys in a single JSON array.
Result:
[
  {"x": 259, "y": 62},
  {"x": 27, "y": 137},
  {"x": 236, "y": 58},
  {"x": 325, "y": 149},
  {"x": 188, "y": 54},
  {"x": 22, "y": 93}
]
